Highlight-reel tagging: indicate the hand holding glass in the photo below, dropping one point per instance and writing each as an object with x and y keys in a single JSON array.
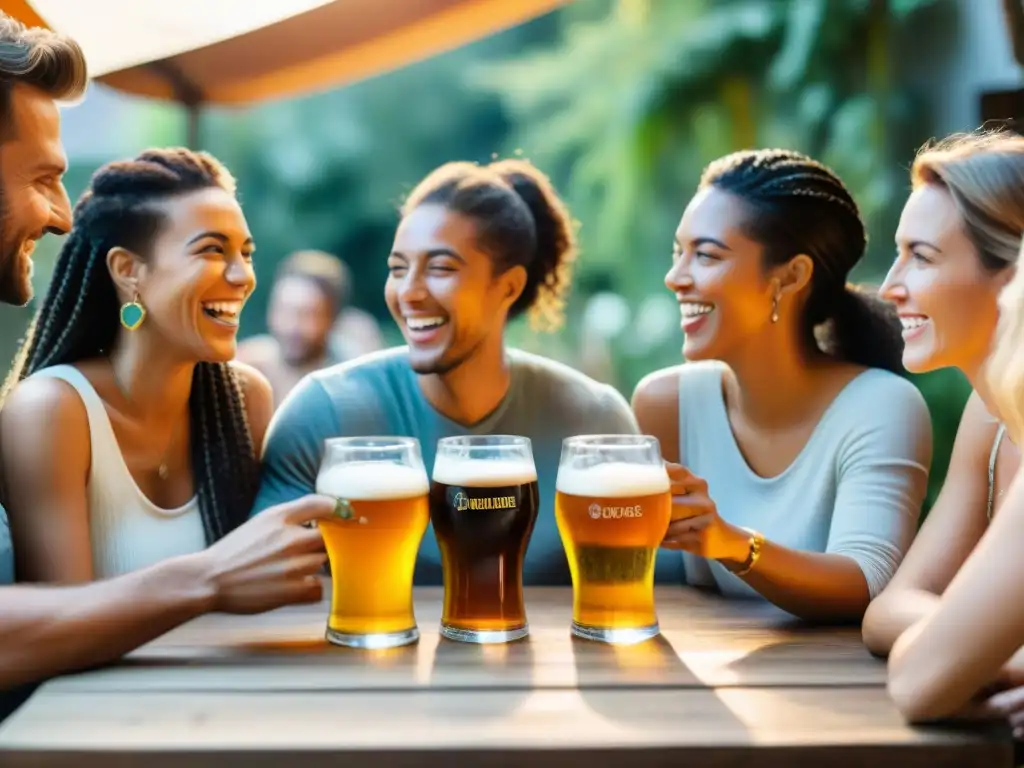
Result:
[
  {"x": 612, "y": 506},
  {"x": 373, "y": 540}
]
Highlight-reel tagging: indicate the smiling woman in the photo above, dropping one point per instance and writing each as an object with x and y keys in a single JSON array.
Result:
[
  {"x": 136, "y": 437},
  {"x": 806, "y": 458},
  {"x": 957, "y": 247}
]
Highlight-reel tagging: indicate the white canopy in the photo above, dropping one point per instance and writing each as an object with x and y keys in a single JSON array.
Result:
[{"x": 244, "y": 51}]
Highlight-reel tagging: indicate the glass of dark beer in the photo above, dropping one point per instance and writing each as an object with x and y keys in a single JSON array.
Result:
[
  {"x": 372, "y": 541},
  {"x": 613, "y": 507},
  {"x": 483, "y": 506}
]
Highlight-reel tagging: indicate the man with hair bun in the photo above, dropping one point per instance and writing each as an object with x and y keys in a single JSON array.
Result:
[{"x": 477, "y": 246}]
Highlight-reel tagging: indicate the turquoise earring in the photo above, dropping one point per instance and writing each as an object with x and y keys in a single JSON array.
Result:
[{"x": 132, "y": 313}]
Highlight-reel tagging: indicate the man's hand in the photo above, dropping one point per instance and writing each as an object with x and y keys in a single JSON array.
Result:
[{"x": 271, "y": 560}]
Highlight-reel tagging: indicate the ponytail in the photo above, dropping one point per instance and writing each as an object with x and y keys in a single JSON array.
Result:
[
  {"x": 523, "y": 223},
  {"x": 864, "y": 330}
]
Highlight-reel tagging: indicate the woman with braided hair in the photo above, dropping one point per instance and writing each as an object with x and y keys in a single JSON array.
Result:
[
  {"x": 136, "y": 437},
  {"x": 799, "y": 458}
]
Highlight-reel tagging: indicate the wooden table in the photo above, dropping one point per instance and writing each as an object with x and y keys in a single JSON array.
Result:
[{"x": 727, "y": 684}]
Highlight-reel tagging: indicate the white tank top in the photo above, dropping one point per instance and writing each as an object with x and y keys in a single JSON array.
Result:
[{"x": 127, "y": 530}]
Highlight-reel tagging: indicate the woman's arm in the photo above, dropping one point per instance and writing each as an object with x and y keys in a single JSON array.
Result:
[
  {"x": 45, "y": 430},
  {"x": 810, "y": 585},
  {"x": 881, "y": 468},
  {"x": 942, "y": 661},
  {"x": 954, "y": 526}
]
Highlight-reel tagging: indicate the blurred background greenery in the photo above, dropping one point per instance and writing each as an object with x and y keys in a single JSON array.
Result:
[{"x": 622, "y": 102}]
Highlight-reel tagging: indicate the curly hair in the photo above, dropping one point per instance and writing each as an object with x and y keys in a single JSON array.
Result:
[{"x": 521, "y": 221}]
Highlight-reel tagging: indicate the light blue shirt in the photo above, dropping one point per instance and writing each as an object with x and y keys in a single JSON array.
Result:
[
  {"x": 855, "y": 489},
  {"x": 379, "y": 395}
]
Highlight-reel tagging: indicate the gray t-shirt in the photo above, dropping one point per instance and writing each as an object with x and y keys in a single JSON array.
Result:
[{"x": 379, "y": 394}]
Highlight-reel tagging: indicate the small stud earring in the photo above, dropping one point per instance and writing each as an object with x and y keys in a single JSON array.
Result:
[{"x": 133, "y": 313}]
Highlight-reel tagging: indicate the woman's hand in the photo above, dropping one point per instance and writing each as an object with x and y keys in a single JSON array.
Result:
[
  {"x": 1003, "y": 698},
  {"x": 696, "y": 526}
]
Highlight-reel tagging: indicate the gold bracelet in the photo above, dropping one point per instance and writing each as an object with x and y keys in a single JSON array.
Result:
[{"x": 756, "y": 540}]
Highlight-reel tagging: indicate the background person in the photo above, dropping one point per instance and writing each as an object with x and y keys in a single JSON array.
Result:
[{"x": 307, "y": 303}]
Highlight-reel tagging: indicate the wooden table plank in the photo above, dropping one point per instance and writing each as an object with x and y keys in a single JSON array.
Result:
[
  {"x": 696, "y": 727},
  {"x": 728, "y": 684},
  {"x": 547, "y": 660},
  {"x": 705, "y": 642}
]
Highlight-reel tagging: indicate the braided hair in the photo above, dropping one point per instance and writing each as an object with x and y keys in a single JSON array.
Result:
[
  {"x": 79, "y": 318},
  {"x": 521, "y": 221},
  {"x": 799, "y": 206}
]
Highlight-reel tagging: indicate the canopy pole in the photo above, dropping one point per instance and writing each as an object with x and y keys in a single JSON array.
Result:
[
  {"x": 193, "y": 114},
  {"x": 186, "y": 93}
]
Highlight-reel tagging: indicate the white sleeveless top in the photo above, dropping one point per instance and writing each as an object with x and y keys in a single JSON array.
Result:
[
  {"x": 127, "y": 530},
  {"x": 855, "y": 489}
]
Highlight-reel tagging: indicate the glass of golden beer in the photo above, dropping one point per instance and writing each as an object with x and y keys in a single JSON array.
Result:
[
  {"x": 373, "y": 539},
  {"x": 612, "y": 507},
  {"x": 483, "y": 505}
]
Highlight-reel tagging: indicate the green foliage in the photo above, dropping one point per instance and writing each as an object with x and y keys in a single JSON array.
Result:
[
  {"x": 946, "y": 392},
  {"x": 628, "y": 108},
  {"x": 623, "y": 102},
  {"x": 682, "y": 83},
  {"x": 330, "y": 170}
]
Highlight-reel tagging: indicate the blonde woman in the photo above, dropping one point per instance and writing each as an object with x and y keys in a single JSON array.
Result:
[
  {"x": 957, "y": 243},
  {"x": 970, "y": 642}
]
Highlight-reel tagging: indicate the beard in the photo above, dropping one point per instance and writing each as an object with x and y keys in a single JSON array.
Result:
[
  {"x": 442, "y": 365},
  {"x": 299, "y": 354},
  {"x": 15, "y": 280}
]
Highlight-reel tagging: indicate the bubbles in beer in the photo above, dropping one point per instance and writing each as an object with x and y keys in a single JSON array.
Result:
[
  {"x": 613, "y": 565},
  {"x": 372, "y": 481},
  {"x": 613, "y": 480}
]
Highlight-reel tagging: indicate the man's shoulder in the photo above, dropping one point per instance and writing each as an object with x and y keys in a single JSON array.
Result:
[
  {"x": 559, "y": 384},
  {"x": 345, "y": 399},
  {"x": 372, "y": 369},
  {"x": 546, "y": 369}
]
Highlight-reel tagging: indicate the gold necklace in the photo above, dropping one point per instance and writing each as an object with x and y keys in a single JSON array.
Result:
[{"x": 162, "y": 471}]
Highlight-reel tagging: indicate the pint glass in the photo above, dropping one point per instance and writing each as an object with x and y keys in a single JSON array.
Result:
[
  {"x": 483, "y": 505},
  {"x": 612, "y": 507},
  {"x": 373, "y": 539}
]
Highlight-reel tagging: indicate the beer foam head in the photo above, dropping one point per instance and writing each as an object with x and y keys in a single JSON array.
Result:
[
  {"x": 613, "y": 480},
  {"x": 483, "y": 473},
  {"x": 372, "y": 480}
]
